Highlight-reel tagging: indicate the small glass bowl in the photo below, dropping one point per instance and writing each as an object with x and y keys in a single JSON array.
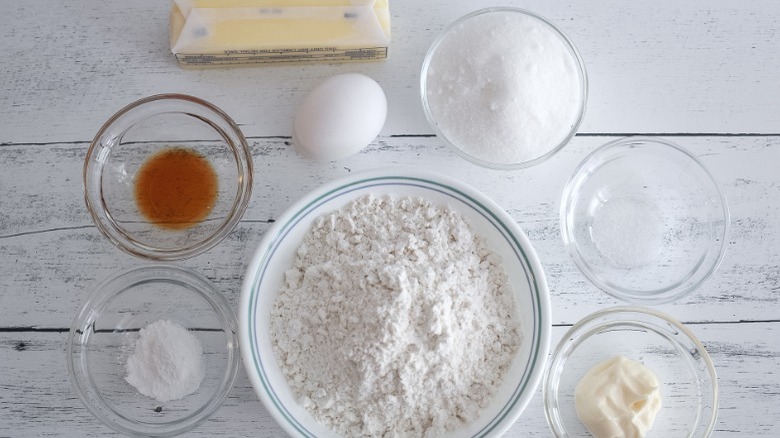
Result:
[
  {"x": 430, "y": 112},
  {"x": 104, "y": 331},
  {"x": 644, "y": 220},
  {"x": 689, "y": 385},
  {"x": 137, "y": 132}
]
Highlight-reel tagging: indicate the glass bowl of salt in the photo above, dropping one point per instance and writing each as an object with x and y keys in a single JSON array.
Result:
[
  {"x": 644, "y": 220},
  {"x": 153, "y": 351},
  {"x": 504, "y": 87}
]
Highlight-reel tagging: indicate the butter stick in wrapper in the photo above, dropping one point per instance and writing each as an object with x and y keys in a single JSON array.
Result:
[{"x": 233, "y": 32}]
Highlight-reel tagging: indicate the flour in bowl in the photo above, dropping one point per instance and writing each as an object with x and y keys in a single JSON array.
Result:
[{"x": 395, "y": 319}]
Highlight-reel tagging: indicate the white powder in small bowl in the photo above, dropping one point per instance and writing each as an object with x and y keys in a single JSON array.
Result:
[
  {"x": 629, "y": 233},
  {"x": 504, "y": 87},
  {"x": 167, "y": 362}
]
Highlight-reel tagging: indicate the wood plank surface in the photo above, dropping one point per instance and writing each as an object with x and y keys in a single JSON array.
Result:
[
  {"x": 38, "y": 400},
  {"x": 662, "y": 66},
  {"x": 55, "y": 256},
  {"x": 700, "y": 73}
]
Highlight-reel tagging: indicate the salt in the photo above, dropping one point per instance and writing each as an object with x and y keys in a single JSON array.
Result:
[
  {"x": 628, "y": 232},
  {"x": 504, "y": 87}
]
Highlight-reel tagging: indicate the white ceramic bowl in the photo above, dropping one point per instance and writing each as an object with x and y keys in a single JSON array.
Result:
[{"x": 277, "y": 251}]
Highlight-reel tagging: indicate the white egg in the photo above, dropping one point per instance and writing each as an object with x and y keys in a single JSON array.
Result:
[{"x": 339, "y": 117}]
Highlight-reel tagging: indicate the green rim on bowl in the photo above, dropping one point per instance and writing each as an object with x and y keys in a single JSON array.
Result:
[{"x": 451, "y": 189}]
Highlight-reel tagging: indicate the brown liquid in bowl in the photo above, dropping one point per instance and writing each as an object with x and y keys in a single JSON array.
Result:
[{"x": 176, "y": 188}]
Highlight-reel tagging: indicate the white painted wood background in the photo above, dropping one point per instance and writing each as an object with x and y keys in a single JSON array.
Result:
[{"x": 701, "y": 73}]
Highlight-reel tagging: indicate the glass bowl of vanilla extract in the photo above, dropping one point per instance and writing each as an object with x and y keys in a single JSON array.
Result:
[{"x": 168, "y": 177}]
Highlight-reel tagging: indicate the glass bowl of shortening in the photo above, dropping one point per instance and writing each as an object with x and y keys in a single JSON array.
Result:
[
  {"x": 153, "y": 351},
  {"x": 504, "y": 87},
  {"x": 398, "y": 302},
  {"x": 168, "y": 177},
  {"x": 644, "y": 220},
  {"x": 630, "y": 371}
]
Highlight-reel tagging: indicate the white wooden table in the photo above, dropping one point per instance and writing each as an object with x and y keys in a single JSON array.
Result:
[{"x": 702, "y": 73}]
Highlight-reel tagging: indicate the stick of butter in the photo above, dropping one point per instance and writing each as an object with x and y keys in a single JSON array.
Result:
[{"x": 228, "y": 32}]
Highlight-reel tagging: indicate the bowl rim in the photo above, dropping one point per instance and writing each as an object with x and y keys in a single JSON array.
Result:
[
  {"x": 587, "y": 327},
  {"x": 261, "y": 383},
  {"x": 581, "y": 72},
  {"x": 85, "y": 317},
  {"x": 634, "y": 296},
  {"x": 93, "y": 171}
]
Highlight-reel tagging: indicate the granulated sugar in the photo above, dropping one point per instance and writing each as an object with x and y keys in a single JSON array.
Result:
[
  {"x": 504, "y": 87},
  {"x": 395, "y": 320}
]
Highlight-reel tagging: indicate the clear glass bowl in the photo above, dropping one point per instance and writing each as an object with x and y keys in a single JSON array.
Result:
[
  {"x": 430, "y": 110},
  {"x": 689, "y": 385},
  {"x": 107, "y": 325},
  {"x": 644, "y": 220},
  {"x": 138, "y": 131}
]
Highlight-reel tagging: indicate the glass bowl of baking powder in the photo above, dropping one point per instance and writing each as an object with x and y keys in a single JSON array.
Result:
[
  {"x": 153, "y": 351},
  {"x": 504, "y": 87},
  {"x": 395, "y": 301}
]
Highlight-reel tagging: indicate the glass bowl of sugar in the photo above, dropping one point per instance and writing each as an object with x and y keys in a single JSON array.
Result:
[
  {"x": 153, "y": 351},
  {"x": 504, "y": 87},
  {"x": 644, "y": 220}
]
